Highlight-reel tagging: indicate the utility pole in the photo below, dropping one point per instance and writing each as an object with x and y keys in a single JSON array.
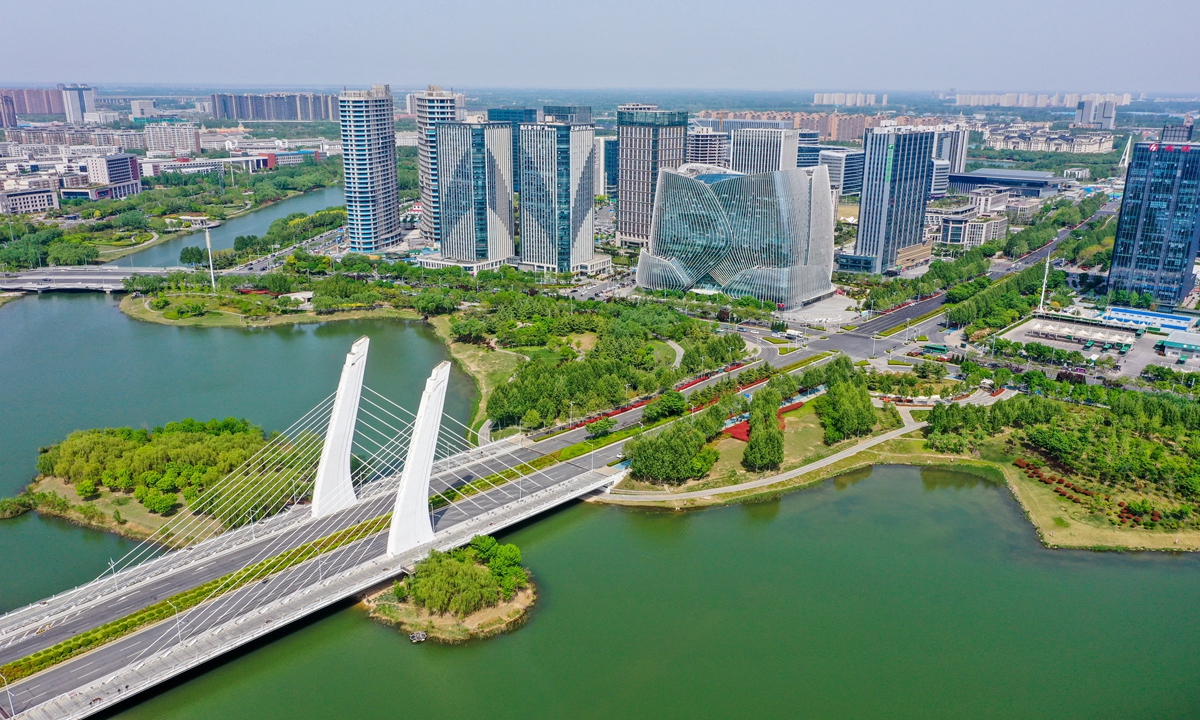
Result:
[
  {"x": 208, "y": 244},
  {"x": 1045, "y": 277}
]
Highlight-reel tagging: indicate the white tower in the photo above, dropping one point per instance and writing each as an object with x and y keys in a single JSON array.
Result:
[
  {"x": 333, "y": 489},
  {"x": 411, "y": 525}
]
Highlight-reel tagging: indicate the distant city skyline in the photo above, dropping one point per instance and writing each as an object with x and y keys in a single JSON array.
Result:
[{"x": 1035, "y": 47}]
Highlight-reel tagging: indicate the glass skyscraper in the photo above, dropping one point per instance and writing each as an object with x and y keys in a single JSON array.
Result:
[
  {"x": 895, "y": 189},
  {"x": 769, "y": 236},
  {"x": 558, "y": 165},
  {"x": 432, "y": 105},
  {"x": 475, "y": 187},
  {"x": 1158, "y": 233},
  {"x": 648, "y": 139},
  {"x": 369, "y": 161},
  {"x": 514, "y": 117}
]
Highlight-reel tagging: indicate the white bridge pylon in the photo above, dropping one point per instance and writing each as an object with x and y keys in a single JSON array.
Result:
[
  {"x": 333, "y": 489},
  {"x": 411, "y": 524}
]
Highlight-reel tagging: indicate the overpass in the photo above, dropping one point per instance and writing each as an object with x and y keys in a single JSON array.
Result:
[
  {"x": 371, "y": 468},
  {"x": 104, "y": 278}
]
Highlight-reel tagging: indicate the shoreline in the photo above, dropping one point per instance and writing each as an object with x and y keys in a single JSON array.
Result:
[
  {"x": 909, "y": 451},
  {"x": 135, "y": 308},
  {"x": 504, "y": 617}
]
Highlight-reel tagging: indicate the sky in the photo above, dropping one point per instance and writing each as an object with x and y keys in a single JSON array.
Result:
[{"x": 840, "y": 45}]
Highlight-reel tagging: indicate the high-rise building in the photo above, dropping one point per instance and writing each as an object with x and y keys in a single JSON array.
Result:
[
  {"x": 769, "y": 236},
  {"x": 558, "y": 165},
  {"x": 1158, "y": 233},
  {"x": 1175, "y": 133},
  {"x": 274, "y": 106},
  {"x": 649, "y": 139},
  {"x": 143, "y": 109},
  {"x": 707, "y": 146},
  {"x": 433, "y": 105},
  {"x": 758, "y": 150},
  {"x": 369, "y": 168},
  {"x": 8, "y": 112},
  {"x": 611, "y": 149},
  {"x": 845, "y": 169},
  {"x": 514, "y": 117},
  {"x": 35, "y": 101},
  {"x": 896, "y": 182},
  {"x": 179, "y": 138},
  {"x": 475, "y": 189},
  {"x": 1084, "y": 111},
  {"x": 77, "y": 100},
  {"x": 1106, "y": 115},
  {"x": 951, "y": 145},
  {"x": 939, "y": 178},
  {"x": 119, "y": 171},
  {"x": 808, "y": 148},
  {"x": 574, "y": 114}
]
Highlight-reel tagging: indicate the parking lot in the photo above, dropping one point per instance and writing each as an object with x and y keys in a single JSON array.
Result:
[{"x": 1140, "y": 355}]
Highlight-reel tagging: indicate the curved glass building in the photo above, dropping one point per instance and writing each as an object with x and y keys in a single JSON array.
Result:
[{"x": 768, "y": 235}]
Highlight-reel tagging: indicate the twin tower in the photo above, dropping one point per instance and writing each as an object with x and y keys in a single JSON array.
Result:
[{"x": 334, "y": 490}]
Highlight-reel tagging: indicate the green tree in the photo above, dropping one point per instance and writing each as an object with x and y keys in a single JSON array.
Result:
[
  {"x": 601, "y": 427},
  {"x": 531, "y": 419}
]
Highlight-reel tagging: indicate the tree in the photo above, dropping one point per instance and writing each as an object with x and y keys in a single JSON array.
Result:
[
  {"x": 192, "y": 255},
  {"x": 669, "y": 404},
  {"x": 1001, "y": 377},
  {"x": 601, "y": 427},
  {"x": 531, "y": 419},
  {"x": 469, "y": 330},
  {"x": 432, "y": 302}
]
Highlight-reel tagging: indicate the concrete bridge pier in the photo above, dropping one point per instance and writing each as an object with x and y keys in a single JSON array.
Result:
[
  {"x": 333, "y": 490},
  {"x": 411, "y": 525}
]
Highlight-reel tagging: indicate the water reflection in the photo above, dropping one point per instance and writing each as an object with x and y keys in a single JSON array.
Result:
[{"x": 939, "y": 478}]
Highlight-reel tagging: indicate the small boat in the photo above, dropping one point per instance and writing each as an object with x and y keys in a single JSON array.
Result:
[{"x": 418, "y": 636}]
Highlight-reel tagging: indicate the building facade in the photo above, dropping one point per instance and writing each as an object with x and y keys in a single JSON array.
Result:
[
  {"x": 369, "y": 162},
  {"x": 119, "y": 172},
  {"x": 939, "y": 178},
  {"x": 558, "y": 216},
  {"x": 179, "y": 138},
  {"x": 21, "y": 202},
  {"x": 769, "y": 235},
  {"x": 610, "y": 148},
  {"x": 754, "y": 151},
  {"x": 896, "y": 181},
  {"x": 475, "y": 187},
  {"x": 77, "y": 100},
  {"x": 649, "y": 139},
  {"x": 951, "y": 146},
  {"x": 514, "y": 117},
  {"x": 845, "y": 169},
  {"x": 8, "y": 112},
  {"x": 433, "y": 105},
  {"x": 274, "y": 106},
  {"x": 571, "y": 114},
  {"x": 707, "y": 146},
  {"x": 1158, "y": 233}
]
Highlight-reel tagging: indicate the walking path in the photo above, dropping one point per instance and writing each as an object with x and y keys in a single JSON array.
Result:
[{"x": 678, "y": 352}]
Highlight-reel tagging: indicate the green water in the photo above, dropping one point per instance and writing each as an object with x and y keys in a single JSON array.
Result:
[
  {"x": 75, "y": 361},
  {"x": 166, "y": 253},
  {"x": 893, "y": 593}
]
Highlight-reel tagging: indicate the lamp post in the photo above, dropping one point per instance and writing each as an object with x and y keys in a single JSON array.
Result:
[
  {"x": 11, "y": 711},
  {"x": 178, "y": 633}
]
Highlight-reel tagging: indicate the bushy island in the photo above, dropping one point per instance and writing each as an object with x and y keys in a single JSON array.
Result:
[
  {"x": 133, "y": 480},
  {"x": 476, "y": 591}
]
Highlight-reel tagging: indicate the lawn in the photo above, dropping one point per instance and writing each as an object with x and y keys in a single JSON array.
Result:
[{"x": 664, "y": 354}]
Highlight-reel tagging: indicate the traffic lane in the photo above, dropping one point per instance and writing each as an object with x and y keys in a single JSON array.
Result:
[{"x": 898, "y": 317}]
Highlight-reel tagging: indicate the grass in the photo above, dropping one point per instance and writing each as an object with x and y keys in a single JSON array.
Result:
[
  {"x": 915, "y": 321},
  {"x": 664, "y": 354},
  {"x": 922, "y": 338},
  {"x": 777, "y": 341},
  {"x": 136, "y": 309},
  {"x": 787, "y": 350},
  {"x": 919, "y": 415},
  {"x": 892, "y": 361},
  {"x": 807, "y": 361},
  {"x": 488, "y": 368},
  {"x": 862, "y": 363}
]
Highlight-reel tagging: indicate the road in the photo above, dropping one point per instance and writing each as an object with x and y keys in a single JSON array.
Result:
[{"x": 90, "y": 277}]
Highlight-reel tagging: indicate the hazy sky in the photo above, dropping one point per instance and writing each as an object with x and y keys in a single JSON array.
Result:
[{"x": 1053, "y": 45}]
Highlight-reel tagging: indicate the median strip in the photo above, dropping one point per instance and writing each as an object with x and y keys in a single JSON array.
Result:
[{"x": 188, "y": 599}]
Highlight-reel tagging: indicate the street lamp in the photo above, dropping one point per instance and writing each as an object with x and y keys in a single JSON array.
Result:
[{"x": 178, "y": 633}]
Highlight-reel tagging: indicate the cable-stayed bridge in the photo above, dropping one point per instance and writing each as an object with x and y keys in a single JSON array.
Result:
[{"x": 253, "y": 553}]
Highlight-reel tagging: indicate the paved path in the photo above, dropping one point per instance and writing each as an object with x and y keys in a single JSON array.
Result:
[{"x": 678, "y": 352}]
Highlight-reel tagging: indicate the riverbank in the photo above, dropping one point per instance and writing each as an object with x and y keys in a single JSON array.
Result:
[
  {"x": 1058, "y": 523},
  {"x": 487, "y": 367},
  {"x": 138, "y": 308},
  {"x": 8, "y": 297},
  {"x": 489, "y": 622}
]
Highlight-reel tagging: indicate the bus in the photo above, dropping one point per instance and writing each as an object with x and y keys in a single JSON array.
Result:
[
  {"x": 1089, "y": 345},
  {"x": 937, "y": 349}
]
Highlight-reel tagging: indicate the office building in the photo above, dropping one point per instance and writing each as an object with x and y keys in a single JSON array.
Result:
[
  {"x": 769, "y": 236},
  {"x": 21, "y": 202},
  {"x": 1084, "y": 112},
  {"x": 949, "y": 217},
  {"x": 1105, "y": 115},
  {"x": 573, "y": 114},
  {"x": 1159, "y": 229},
  {"x": 939, "y": 178},
  {"x": 119, "y": 172},
  {"x": 101, "y": 117},
  {"x": 558, "y": 215},
  {"x": 77, "y": 100},
  {"x": 808, "y": 148},
  {"x": 951, "y": 145},
  {"x": 142, "y": 109},
  {"x": 989, "y": 199},
  {"x": 600, "y": 176},
  {"x": 754, "y": 151},
  {"x": 707, "y": 146},
  {"x": 1027, "y": 183},
  {"x": 514, "y": 117},
  {"x": 983, "y": 229},
  {"x": 433, "y": 105},
  {"x": 8, "y": 112},
  {"x": 1022, "y": 209},
  {"x": 179, "y": 138},
  {"x": 611, "y": 149},
  {"x": 475, "y": 190},
  {"x": 896, "y": 182},
  {"x": 845, "y": 169},
  {"x": 369, "y": 162},
  {"x": 649, "y": 139}
]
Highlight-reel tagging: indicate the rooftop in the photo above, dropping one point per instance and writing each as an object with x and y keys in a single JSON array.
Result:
[
  {"x": 1181, "y": 338},
  {"x": 1014, "y": 174}
]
